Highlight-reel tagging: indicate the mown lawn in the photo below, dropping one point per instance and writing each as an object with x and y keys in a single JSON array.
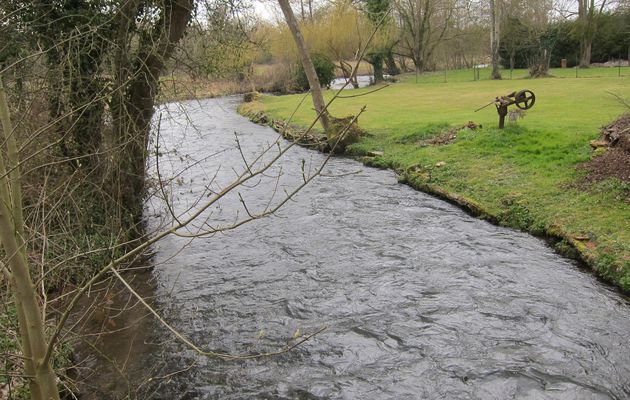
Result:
[{"x": 523, "y": 176}]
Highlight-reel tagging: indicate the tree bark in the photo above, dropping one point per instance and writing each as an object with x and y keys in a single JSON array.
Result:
[
  {"x": 392, "y": 68},
  {"x": 378, "y": 71},
  {"x": 586, "y": 45},
  {"x": 494, "y": 41},
  {"x": 376, "y": 60},
  {"x": 307, "y": 64},
  {"x": 32, "y": 334},
  {"x": 134, "y": 105},
  {"x": 586, "y": 18}
]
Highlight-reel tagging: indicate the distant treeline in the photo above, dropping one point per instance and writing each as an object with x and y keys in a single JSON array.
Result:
[{"x": 611, "y": 40}]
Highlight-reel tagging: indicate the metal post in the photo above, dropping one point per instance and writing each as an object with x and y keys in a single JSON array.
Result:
[{"x": 502, "y": 110}]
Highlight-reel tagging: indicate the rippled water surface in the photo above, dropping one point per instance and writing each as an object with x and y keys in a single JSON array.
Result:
[{"x": 420, "y": 300}]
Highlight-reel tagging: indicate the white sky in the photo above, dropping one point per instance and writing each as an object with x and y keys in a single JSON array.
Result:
[{"x": 267, "y": 9}]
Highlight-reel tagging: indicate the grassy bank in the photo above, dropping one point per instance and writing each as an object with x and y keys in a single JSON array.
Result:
[{"x": 524, "y": 176}]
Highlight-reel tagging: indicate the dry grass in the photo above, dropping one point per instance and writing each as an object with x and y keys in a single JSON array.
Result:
[
  {"x": 265, "y": 70},
  {"x": 179, "y": 88}
]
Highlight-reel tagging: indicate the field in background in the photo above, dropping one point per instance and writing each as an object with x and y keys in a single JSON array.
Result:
[
  {"x": 525, "y": 176},
  {"x": 468, "y": 75}
]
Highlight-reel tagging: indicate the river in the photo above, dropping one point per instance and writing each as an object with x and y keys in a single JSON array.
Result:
[{"x": 418, "y": 299}]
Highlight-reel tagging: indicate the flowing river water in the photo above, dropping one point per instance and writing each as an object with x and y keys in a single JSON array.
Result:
[{"x": 419, "y": 299}]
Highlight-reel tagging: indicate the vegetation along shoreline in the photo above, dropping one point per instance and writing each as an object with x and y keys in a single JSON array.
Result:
[{"x": 522, "y": 177}]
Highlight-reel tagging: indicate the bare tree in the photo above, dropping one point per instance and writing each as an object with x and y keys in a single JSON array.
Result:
[
  {"x": 587, "y": 11},
  {"x": 425, "y": 24},
  {"x": 43, "y": 384},
  {"x": 494, "y": 39},
  {"x": 307, "y": 64}
]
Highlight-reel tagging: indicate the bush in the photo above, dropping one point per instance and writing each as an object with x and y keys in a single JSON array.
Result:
[{"x": 324, "y": 68}]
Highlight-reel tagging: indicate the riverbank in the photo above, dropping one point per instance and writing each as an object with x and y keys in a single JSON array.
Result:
[
  {"x": 524, "y": 177},
  {"x": 180, "y": 88}
]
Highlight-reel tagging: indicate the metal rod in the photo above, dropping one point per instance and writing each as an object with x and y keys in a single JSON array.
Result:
[{"x": 481, "y": 108}]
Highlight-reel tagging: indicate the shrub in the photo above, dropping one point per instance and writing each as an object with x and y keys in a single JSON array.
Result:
[{"x": 324, "y": 68}]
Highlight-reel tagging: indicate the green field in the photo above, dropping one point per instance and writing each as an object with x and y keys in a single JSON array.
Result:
[{"x": 523, "y": 176}]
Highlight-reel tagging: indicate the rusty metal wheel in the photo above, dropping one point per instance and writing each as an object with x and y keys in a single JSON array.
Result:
[{"x": 525, "y": 99}]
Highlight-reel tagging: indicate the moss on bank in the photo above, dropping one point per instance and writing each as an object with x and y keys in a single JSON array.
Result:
[{"x": 522, "y": 177}]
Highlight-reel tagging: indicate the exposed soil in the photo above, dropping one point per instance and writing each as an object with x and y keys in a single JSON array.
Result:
[
  {"x": 615, "y": 161},
  {"x": 449, "y": 135}
]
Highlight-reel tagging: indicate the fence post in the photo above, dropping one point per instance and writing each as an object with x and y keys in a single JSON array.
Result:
[
  {"x": 445, "y": 69},
  {"x": 577, "y": 66}
]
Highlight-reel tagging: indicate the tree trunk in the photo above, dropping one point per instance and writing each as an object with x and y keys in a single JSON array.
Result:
[
  {"x": 307, "y": 64},
  {"x": 378, "y": 69},
  {"x": 133, "y": 106},
  {"x": 376, "y": 61},
  {"x": 494, "y": 41},
  {"x": 586, "y": 16},
  {"x": 402, "y": 61},
  {"x": 43, "y": 385},
  {"x": 586, "y": 44},
  {"x": 392, "y": 68}
]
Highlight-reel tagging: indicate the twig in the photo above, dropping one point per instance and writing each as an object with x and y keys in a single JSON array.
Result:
[
  {"x": 364, "y": 94},
  {"x": 193, "y": 346}
]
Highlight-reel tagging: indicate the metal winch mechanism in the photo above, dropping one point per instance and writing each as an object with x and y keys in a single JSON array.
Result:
[{"x": 523, "y": 99}]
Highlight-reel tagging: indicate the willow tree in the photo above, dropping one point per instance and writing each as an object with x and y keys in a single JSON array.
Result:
[
  {"x": 337, "y": 33},
  {"x": 381, "y": 48},
  {"x": 307, "y": 64}
]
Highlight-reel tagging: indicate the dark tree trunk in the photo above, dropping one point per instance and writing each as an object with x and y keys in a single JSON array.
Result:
[
  {"x": 586, "y": 44},
  {"x": 586, "y": 16},
  {"x": 378, "y": 71},
  {"x": 85, "y": 89},
  {"x": 376, "y": 61},
  {"x": 392, "y": 68},
  {"x": 74, "y": 62},
  {"x": 133, "y": 107}
]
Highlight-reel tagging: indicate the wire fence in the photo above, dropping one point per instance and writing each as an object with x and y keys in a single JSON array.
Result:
[{"x": 484, "y": 72}]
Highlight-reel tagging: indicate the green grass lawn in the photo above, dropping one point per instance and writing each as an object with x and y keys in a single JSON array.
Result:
[{"x": 523, "y": 176}]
